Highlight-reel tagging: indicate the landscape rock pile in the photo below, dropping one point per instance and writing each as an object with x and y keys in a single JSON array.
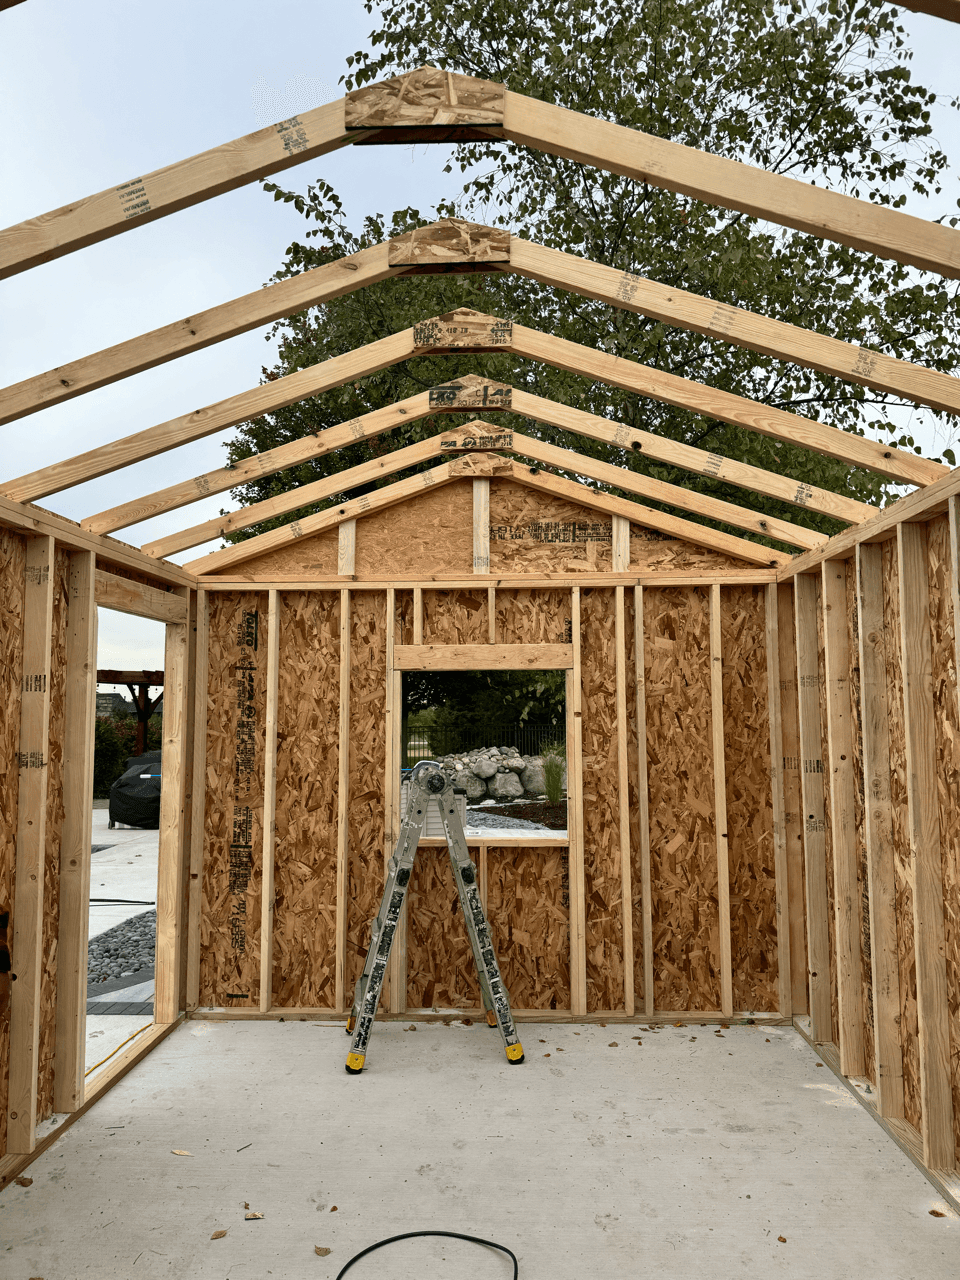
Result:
[
  {"x": 496, "y": 773},
  {"x": 124, "y": 949}
]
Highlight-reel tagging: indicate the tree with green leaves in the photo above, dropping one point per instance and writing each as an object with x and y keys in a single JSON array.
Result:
[{"x": 819, "y": 91}]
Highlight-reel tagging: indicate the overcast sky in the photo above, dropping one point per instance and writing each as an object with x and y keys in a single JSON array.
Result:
[{"x": 94, "y": 93}]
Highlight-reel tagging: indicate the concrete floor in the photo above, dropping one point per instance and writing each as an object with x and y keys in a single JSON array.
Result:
[
  {"x": 127, "y": 869},
  {"x": 685, "y": 1154}
]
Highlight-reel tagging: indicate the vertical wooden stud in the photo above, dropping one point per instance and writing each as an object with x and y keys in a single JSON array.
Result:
[
  {"x": 189, "y": 774},
  {"x": 395, "y": 986},
  {"x": 621, "y": 544},
  {"x": 814, "y": 823},
  {"x": 771, "y": 622},
  {"x": 269, "y": 803},
  {"x": 643, "y": 795},
  {"x": 953, "y": 508},
  {"x": 418, "y": 615},
  {"x": 936, "y": 1101},
  {"x": 343, "y": 803},
  {"x": 492, "y": 615},
  {"x": 481, "y": 525},
  {"x": 167, "y": 998},
  {"x": 878, "y": 832},
  {"x": 720, "y": 803},
  {"x": 846, "y": 892},
  {"x": 79, "y": 713},
  {"x": 198, "y": 809},
  {"x": 347, "y": 549},
  {"x": 623, "y": 786},
  {"x": 578, "y": 921},
  {"x": 26, "y": 958},
  {"x": 793, "y": 815}
]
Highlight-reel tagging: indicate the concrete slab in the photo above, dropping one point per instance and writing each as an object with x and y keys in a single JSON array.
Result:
[
  {"x": 127, "y": 869},
  {"x": 684, "y": 1153}
]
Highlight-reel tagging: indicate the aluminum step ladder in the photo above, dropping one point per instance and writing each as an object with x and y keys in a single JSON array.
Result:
[{"x": 429, "y": 784}]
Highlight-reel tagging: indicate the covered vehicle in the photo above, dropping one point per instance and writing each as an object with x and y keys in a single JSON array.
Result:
[{"x": 135, "y": 796}]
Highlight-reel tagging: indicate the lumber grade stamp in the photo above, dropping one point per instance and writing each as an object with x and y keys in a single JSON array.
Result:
[
  {"x": 450, "y": 244},
  {"x": 470, "y": 392}
]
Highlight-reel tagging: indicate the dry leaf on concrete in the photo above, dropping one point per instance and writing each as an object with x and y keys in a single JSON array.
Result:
[
  {"x": 218, "y": 1235},
  {"x": 333, "y": 1208},
  {"x": 23, "y": 1182},
  {"x": 249, "y": 1217},
  {"x": 321, "y": 1253},
  {"x": 782, "y": 1239},
  {"x": 174, "y": 1152}
]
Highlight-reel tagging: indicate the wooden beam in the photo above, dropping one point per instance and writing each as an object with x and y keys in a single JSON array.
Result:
[
  {"x": 878, "y": 832},
  {"x": 936, "y": 1101},
  {"x": 732, "y": 185},
  {"x": 646, "y": 880},
  {"x": 26, "y": 952},
  {"x": 855, "y": 451},
  {"x": 269, "y": 804},
  {"x": 793, "y": 816},
  {"x": 126, "y": 596},
  {"x": 838, "y": 662},
  {"x": 483, "y": 657},
  {"x": 621, "y": 544},
  {"x": 343, "y": 807},
  {"x": 169, "y": 999},
  {"x": 736, "y": 325},
  {"x": 814, "y": 821},
  {"x": 212, "y": 417},
  {"x": 949, "y": 10},
  {"x": 576, "y": 873},
  {"x": 491, "y": 615},
  {"x": 395, "y": 992},
  {"x": 191, "y": 795},
  {"x": 176, "y": 186},
  {"x": 720, "y": 803},
  {"x": 418, "y": 615},
  {"x": 80, "y": 697},
  {"x": 481, "y": 525},
  {"x": 347, "y": 549},
  {"x": 198, "y": 813},
  {"x": 623, "y": 791},
  {"x": 778, "y": 796}
]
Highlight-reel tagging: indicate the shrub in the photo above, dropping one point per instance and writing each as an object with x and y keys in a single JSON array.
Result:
[
  {"x": 554, "y": 760},
  {"x": 115, "y": 739}
]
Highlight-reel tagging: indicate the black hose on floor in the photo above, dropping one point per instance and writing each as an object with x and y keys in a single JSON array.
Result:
[{"x": 410, "y": 1235}]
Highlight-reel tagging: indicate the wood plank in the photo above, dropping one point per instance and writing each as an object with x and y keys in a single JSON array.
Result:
[
  {"x": 341, "y": 999},
  {"x": 736, "y": 325},
  {"x": 749, "y": 577},
  {"x": 198, "y": 810},
  {"x": 732, "y": 185},
  {"x": 623, "y": 788},
  {"x": 949, "y": 10},
  {"x": 190, "y": 794},
  {"x": 418, "y": 615},
  {"x": 720, "y": 802},
  {"x": 484, "y": 657},
  {"x": 878, "y": 832},
  {"x": 576, "y": 867},
  {"x": 269, "y": 804},
  {"x": 724, "y": 406},
  {"x": 395, "y": 994},
  {"x": 778, "y": 793},
  {"x": 846, "y": 890},
  {"x": 169, "y": 999},
  {"x": 644, "y": 802},
  {"x": 136, "y": 598},
  {"x": 936, "y": 1121},
  {"x": 176, "y": 186},
  {"x": 481, "y": 525},
  {"x": 492, "y": 615},
  {"x": 80, "y": 711},
  {"x": 26, "y": 951},
  {"x": 793, "y": 816},
  {"x": 212, "y": 417},
  {"x": 814, "y": 822},
  {"x": 621, "y": 544},
  {"x": 347, "y": 548}
]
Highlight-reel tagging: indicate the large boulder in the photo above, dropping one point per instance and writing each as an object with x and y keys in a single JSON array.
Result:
[
  {"x": 516, "y": 763},
  {"x": 485, "y": 767},
  {"x": 475, "y": 787},
  {"x": 531, "y": 779},
  {"x": 504, "y": 786}
]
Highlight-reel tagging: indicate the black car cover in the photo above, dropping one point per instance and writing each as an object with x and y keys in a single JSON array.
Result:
[{"x": 135, "y": 796}]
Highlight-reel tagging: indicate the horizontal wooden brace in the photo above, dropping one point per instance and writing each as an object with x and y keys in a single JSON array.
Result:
[
  {"x": 142, "y": 601},
  {"x": 238, "y": 582},
  {"x": 483, "y": 657}
]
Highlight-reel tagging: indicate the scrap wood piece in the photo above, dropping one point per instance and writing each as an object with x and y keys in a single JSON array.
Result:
[
  {"x": 450, "y": 242},
  {"x": 425, "y": 99}
]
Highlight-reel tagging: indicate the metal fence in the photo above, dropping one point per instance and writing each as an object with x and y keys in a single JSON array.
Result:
[{"x": 418, "y": 743}]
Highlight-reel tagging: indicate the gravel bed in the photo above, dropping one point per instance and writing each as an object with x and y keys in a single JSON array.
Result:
[
  {"x": 124, "y": 949},
  {"x": 478, "y": 820}
]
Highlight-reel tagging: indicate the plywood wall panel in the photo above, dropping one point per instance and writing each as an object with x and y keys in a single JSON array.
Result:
[
  {"x": 651, "y": 551},
  {"x": 233, "y": 815},
  {"x": 532, "y": 532},
  {"x": 909, "y": 1031},
  {"x": 314, "y": 556},
  {"x": 685, "y": 908},
  {"x": 368, "y": 756},
  {"x": 828, "y": 842},
  {"x": 12, "y": 564},
  {"x": 534, "y": 616},
  {"x": 942, "y": 625},
  {"x": 54, "y": 829},
  {"x": 440, "y": 968},
  {"x": 746, "y": 719},
  {"x": 455, "y": 617},
  {"x": 430, "y": 536},
  {"x": 603, "y": 887},
  {"x": 308, "y": 710},
  {"x": 529, "y": 913}
]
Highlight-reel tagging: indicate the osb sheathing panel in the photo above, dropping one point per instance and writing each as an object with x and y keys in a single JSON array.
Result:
[
  {"x": 650, "y": 551},
  {"x": 603, "y": 879},
  {"x": 314, "y": 556},
  {"x": 948, "y": 777},
  {"x": 746, "y": 722},
  {"x": 427, "y": 536},
  {"x": 863, "y": 879},
  {"x": 368, "y": 753},
  {"x": 54, "y": 829},
  {"x": 909, "y": 1030},
  {"x": 12, "y": 564},
  {"x": 529, "y": 912},
  {"x": 683, "y": 854},
  {"x": 828, "y": 842},
  {"x": 440, "y": 968},
  {"x": 633, "y": 795},
  {"x": 233, "y": 814},
  {"x": 534, "y": 617},
  {"x": 532, "y": 532},
  {"x": 305, "y": 857},
  {"x": 455, "y": 617}
]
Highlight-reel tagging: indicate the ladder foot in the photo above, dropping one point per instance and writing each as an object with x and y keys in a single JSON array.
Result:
[
  {"x": 354, "y": 1063},
  {"x": 514, "y": 1053}
]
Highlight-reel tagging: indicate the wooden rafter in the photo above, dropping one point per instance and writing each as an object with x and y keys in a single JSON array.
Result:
[{"x": 949, "y": 10}]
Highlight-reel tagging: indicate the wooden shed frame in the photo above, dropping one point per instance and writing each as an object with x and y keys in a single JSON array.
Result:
[{"x": 857, "y": 637}]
